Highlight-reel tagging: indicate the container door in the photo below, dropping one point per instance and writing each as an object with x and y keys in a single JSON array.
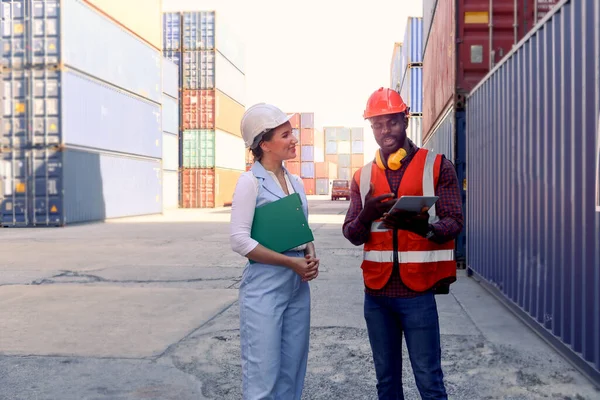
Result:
[{"x": 14, "y": 200}]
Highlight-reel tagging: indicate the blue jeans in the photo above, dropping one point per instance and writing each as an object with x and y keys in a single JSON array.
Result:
[{"x": 417, "y": 318}]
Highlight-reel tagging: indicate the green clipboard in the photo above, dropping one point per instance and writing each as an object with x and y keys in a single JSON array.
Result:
[{"x": 281, "y": 225}]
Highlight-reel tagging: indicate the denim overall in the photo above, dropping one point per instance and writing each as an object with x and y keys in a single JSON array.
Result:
[{"x": 274, "y": 316}]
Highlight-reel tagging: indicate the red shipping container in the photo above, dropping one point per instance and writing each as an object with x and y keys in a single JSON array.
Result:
[
  {"x": 358, "y": 160},
  {"x": 198, "y": 188},
  {"x": 293, "y": 167},
  {"x": 446, "y": 81},
  {"x": 332, "y": 158},
  {"x": 295, "y": 121},
  {"x": 309, "y": 185},
  {"x": 198, "y": 109},
  {"x": 307, "y": 136},
  {"x": 321, "y": 170}
]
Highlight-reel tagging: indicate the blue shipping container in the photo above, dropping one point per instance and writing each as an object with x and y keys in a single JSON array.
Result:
[
  {"x": 71, "y": 33},
  {"x": 170, "y": 115},
  {"x": 307, "y": 170},
  {"x": 358, "y": 147},
  {"x": 344, "y": 161},
  {"x": 202, "y": 30},
  {"x": 331, "y": 148},
  {"x": 412, "y": 89},
  {"x": 448, "y": 138},
  {"x": 55, "y": 188},
  {"x": 532, "y": 215},
  {"x": 175, "y": 57},
  {"x": 171, "y": 79},
  {"x": 412, "y": 46},
  {"x": 307, "y": 153},
  {"x": 72, "y": 109},
  {"x": 171, "y": 31}
]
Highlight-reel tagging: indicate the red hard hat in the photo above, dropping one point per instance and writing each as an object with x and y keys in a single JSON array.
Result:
[{"x": 384, "y": 102}]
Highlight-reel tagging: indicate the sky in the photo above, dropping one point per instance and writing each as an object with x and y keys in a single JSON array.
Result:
[{"x": 322, "y": 56}]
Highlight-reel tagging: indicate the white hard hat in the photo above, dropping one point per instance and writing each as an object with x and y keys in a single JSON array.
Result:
[{"x": 260, "y": 118}]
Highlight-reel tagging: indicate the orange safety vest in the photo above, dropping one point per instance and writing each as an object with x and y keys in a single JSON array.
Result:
[{"x": 422, "y": 262}]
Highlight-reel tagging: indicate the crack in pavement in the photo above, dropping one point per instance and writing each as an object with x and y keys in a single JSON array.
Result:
[{"x": 94, "y": 278}]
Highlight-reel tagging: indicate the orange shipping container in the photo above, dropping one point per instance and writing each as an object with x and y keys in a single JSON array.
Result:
[
  {"x": 207, "y": 187},
  {"x": 332, "y": 158},
  {"x": 295, "y": 121},
  {"x": 211, "y": 109},
  {"x": 354, "y": 171},
  {"x": 307, "y": 136},
  {"x": 293, "y": 167},
  {"x": 309, "y": 185},
  {"x": 358, "y": 160},
  {"x": 325, "y": 170}
]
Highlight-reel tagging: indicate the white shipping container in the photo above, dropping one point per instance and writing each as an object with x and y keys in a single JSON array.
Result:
[
  {"x": 344, "y": 147},
  {"x": 142, "y": 17},
  {"x": 170, "y": 187},
  {"x": 319, "y": 154},
  {"x": 170, "y": 152},
  {"x": 230, "y": 151},
  {"x": 415, "y": 130},
  {"x": 230, "y": 44},
  {"x": 229, "y": 79}
]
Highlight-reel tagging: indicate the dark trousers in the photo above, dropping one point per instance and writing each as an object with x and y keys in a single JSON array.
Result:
[{"x": 417, "y": 318}]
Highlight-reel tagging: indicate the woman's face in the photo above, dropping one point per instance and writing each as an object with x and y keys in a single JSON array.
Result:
[{"x": 282, "y": 145}]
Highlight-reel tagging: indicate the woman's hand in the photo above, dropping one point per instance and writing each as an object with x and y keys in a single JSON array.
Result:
[
  {"x": 313, "y": 266},
  {"x": 307, "y": 268}
]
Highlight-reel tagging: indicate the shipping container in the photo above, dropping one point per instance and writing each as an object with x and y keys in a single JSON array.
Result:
[
  {"x": 307, "y": 170},
  {"x": 412, "y": 89},
  {"x": 344, "y": 147},
  {"x": 532, "y": 223},
  {"x": 170, "y": 115},
  {"x": 307, "y": 120},
  {"x": 459, "y": 54},
  {"x": 76, "y": 35},
  {"x": 198, "y": 188},
  {"x": 170, "y": 187},
  {"x": 208, "y": 148},
  {"x": 295, "y": 120},
  {"x": 142, "y": 17},
  {"x": 225, "y": 182},
  {"x": 354, "y": 169},
  {"x": 209, "y": 69},
  {"x": 309, "y": 186},
  {"x": 322, "y": 187},
  {"x": 429, "y": 7},
  {"x": 307, "y": 136},
  {"x": 330, "y": 134},
  {"x": 331, "y": 158},
  {"x": 396, "y": 68},
  {"x": 322, "y": 170},
  {"x": 358, "y": 160},
  {"x": 307, "y": 153},
  {"x": 412, "y": 46},
  {"x": 48, "y": 187},
  {"x": 45, "y": 107},
  {"x": 358, "y": 147},
  {"x": 170, "y": 152},
  {"x": 331, "y": 148},
  {"x": 203, "y": 31},
  {"x": 415, "y": 129},
  {"x": 357, "y": 134},
  {"x": 210, "y": 109},
  {"x": 170, "y": 78},
  {"x": 344, "y": 173},
  {"x": 172, "y": 31},
  {"x": 293, "y": 167},
  {"x": 344, "y": 160},
  {"x": 319, "y": 154},
  {"x": 343, "y": 134}
]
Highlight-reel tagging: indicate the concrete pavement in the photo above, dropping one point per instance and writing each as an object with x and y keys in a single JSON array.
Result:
[{"x": 146, "y": 308}]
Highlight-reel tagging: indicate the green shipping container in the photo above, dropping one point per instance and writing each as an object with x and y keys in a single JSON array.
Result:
[{"x": 199, "y": 148}]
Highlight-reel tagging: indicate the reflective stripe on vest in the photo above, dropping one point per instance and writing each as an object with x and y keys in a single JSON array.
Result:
[{"x": 409, "y": 256}]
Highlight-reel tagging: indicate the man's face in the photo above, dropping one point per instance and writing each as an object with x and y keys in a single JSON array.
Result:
[{"x": 389, "y": 131}]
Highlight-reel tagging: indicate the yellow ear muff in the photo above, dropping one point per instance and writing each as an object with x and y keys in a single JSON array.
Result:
[{"x": 394, "y": 161}]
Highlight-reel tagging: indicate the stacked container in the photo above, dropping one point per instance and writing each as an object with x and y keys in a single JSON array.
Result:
[
  {"x": 170, "y": 140},
  {"x": 463, "y": 42},
  {"x": 411, "y": 82},
  {"x": 396, "y": 70},
  {"x": 344, "y": 148},
  {"x": 81, "y": 135},
  {"x": 211, "y": 65},
  {"x": 310, "y": 149}
]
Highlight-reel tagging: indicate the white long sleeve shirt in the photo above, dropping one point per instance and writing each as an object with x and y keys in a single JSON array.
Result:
[{"x": 242, "y": 212}]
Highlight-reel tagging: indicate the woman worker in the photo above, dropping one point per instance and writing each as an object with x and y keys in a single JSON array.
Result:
[{"x": 274, "y": 291}]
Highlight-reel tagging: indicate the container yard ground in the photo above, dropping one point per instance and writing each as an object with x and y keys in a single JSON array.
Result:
[{"x": 146, "y": 308}]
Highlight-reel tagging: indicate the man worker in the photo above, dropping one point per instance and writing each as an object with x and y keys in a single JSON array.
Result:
[{"x": 411, "y": 258}]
